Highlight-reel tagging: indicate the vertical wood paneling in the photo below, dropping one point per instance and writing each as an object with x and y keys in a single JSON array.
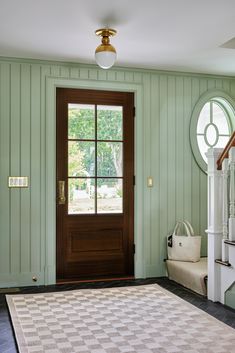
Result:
[
  {"x": 195, "y": 170},
  {"x": 5, "y": 230},
  {"x": 180, "y": 187},
  {"x": 74, "y": 72},
  {"x": 226, "y": 85},
  {"x": 155, "y": 171},
  {"x": 84, "y": 73},
  {"x": 65, "y": 72},
  {"x": 129, "y": 76},
  {"x": 137, "y": 77},
  {"x": 196, "y": 198},
  {"x": 147, "y": 167},
  {"x": 219, "y": 84},
  {"x": 203, "y": 85},
  {"x": 93, "y": 74},
  {"x": 187, "y": 151},
  {"x": 25, "y": 153},
  {"x": 195, "y": 92},
  {"x": 203, "y": 190},
  {"x": 15, "y": 167},
  {"x": 211, "y": 83},
  {"x": 55, "y": 71},
  {"x": 179, "y": 149},
  {"x": 171, "y": 152},
  {"x": 35, "y": 182},
  {"x": 102, "y": 75},
  {"x": 163, "y": 192},
  {"x": 232, "y": 88},
  {"x": 111, "y": 75},
  {"x": 120, "y": 76},
  {"x": 45, "y": 71},
  {"x": 203, "y": 211}
]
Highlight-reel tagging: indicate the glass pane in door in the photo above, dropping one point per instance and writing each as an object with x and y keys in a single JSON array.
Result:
[
  {"x": 109, "y": 123},
  {"x": 81, "y": 158},
  {"x": 81, "y": 196},
  {"x": 109, "y": 195},
  {"x": 109, "y": 159},
  {"x": 81, "y": 121}
]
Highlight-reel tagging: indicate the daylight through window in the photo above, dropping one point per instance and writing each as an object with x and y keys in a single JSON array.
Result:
[{"x": 213, "y": 127}]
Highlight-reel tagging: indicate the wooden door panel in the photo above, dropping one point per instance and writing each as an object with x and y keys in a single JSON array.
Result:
[
  {"x": 106, "y": 240},
  {"x": 99, "y": 243},
  {"x": 96, "y": 244},
  {"x": 93, "y": 269}
]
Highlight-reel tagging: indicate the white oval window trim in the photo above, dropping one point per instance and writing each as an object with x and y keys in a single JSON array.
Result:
[{"x": 207, "y": 128}]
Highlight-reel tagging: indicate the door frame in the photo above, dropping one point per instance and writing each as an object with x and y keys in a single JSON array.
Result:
[{"x": 50, "y": 177}]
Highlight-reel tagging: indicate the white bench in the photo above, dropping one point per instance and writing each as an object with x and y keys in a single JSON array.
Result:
[{"x": 191, "y": 275}]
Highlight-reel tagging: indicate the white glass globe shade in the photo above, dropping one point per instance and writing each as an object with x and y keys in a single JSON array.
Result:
[{"x": 105, "y": 59}]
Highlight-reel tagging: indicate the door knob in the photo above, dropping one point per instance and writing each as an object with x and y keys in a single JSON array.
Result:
[{"x": 61, "y": 198}]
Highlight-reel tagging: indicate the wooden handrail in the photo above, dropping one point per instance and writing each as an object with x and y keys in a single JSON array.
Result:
[{"x": 224, "y": 154}]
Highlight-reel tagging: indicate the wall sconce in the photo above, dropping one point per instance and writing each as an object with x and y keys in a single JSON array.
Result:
[{"x": 105, "y": 54}]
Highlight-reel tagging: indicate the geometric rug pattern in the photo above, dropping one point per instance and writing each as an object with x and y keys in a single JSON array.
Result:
[{"x": 142, "y": 319}]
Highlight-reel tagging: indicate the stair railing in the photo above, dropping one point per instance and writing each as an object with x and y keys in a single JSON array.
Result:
[{"x": 225, "y": 152}]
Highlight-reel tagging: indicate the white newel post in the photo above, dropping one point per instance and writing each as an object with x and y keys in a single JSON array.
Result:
[
  {"x": 232, "y": 194},
  {"x": 225, "y": 167},
  {"x": 215, "y": 223}
]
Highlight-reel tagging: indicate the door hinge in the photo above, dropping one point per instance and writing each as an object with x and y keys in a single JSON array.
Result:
[
  {"x": 133, "y": 248},
  {"x": 134, "y": 112},
  {"x": 134, "y": 180}
]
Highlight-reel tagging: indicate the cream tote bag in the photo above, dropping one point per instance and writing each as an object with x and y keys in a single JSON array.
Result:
[{"x": 183, "y": 245}]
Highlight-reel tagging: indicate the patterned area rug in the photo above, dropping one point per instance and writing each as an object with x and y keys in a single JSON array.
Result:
[{"x": 142, "y": 319}]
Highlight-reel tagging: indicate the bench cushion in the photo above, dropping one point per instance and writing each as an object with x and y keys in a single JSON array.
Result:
[{"x": 189, "y": 274}]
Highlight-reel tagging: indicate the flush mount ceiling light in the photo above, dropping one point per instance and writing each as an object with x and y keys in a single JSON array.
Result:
[{"x": 105, "y": 54}]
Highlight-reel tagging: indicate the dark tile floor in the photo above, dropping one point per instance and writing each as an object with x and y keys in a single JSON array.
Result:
[{"x": 219, "y": 311}]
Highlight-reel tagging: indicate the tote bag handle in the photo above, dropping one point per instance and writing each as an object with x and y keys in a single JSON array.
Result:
[
  {"x": 186, "y": 227},
  {"x": 190, "y": 227}
]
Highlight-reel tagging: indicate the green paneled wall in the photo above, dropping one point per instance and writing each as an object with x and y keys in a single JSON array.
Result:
[{"x": 179, "y": 190}]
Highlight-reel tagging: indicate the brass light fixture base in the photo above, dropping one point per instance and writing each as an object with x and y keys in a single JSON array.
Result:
[{"x": 106, "y": 32}]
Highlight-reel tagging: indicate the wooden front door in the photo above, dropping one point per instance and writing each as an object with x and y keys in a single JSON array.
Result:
[{"x": 95, "y": 184}]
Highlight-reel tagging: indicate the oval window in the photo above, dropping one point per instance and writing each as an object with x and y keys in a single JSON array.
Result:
[
  {"x": 213, "y": 127},
  {"x": 212, "y": 123}
]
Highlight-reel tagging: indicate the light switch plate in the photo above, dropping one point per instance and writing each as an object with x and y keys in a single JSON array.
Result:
[
  {"x": 150, "y": 182},
  {"x": 18, "y": 182}
]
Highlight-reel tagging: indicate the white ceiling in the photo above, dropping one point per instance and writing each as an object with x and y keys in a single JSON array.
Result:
[{"x": 179, "y": 35}]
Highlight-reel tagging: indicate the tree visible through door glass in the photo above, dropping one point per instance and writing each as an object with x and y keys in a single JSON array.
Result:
[
  {"x": 95, "y": 159},
  {"x": 81, "y": 121},
  {"x": 81, "y": 158},
  {"x": 109, "y": 159},
  {"x": 109, "y": 122}
]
